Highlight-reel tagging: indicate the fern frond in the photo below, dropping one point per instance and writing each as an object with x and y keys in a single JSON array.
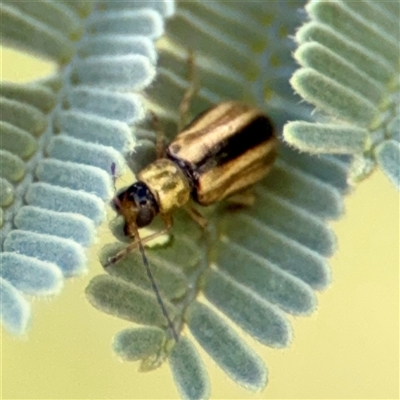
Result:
[
  {"x": 349, "y": 57},
  {"x": 60, "y": 136},
  {"x": 252, "y": 267}
]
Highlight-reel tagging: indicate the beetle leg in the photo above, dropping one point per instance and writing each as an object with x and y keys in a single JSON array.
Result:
[
  {"x": 134, "y": 245},
  {"x": 196, "y": 216},
  {"x": 160, "y": 135},
  {"x": 191, "y": 90},
  {"x": 246, "y": 198},
  {"x": 167, "y": 219}
]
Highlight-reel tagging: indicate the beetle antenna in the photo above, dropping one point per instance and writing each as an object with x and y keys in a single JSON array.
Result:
[
  {"x": 148, "y": 270},
  {"x": 114, "y": 178},
  {"x": 113, "y": 174},
  {"x": 155, "y": 287}
]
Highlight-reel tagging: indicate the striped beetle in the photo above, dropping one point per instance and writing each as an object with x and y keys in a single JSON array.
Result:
[{"x": 221, "y": 152}]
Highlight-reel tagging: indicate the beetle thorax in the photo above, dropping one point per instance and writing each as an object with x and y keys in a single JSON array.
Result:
[{"x": 168, "y": 184}]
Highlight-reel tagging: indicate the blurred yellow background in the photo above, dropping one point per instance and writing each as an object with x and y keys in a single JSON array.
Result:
[{"x": 348, "y": 349}]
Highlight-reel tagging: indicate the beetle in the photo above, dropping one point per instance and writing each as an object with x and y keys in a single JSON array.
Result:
[{"x": 223, "y": 151}]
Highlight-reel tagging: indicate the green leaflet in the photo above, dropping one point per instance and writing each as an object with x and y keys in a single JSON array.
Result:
[
  {"x": 17, "y": 141},
  {"x": 349, "y": 57},
  {"x": 221, "y": 342},
  {"x": 23, "y": 31},
  {"x": 256, "y": 316},
  {"x": 388, "y": 158},
  {"x": 189, "y": 371},
  {"x": 134, "y": 344},
  {"x": 315, "y": 138},
  {"x": 23, "y": 116},
  {"x": 86, "y": 117},
  {"x": 332, "y": 97}
]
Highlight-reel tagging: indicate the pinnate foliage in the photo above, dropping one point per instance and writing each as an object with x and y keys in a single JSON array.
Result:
[
  {"x": 349, "y": 54},
  {"x": 252, "y": 266}
]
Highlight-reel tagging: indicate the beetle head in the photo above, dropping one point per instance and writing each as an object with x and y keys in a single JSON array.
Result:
[{"x": 137, "y": 205}]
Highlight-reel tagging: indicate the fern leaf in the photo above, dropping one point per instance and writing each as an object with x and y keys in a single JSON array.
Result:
[
  {"x": 82, "y": 121},
  {"x": 349, "y": 57},
  {"x": 252, "y": 266},
  {"x": 189, "y": 372},
  {"x": 60, "y": 136}
]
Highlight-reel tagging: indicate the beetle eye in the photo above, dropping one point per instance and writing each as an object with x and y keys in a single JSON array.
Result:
[
  {"x": 137, "y": 202},
  {"x": 130, "y": 195},
  {"x": 144, "y": 217}
]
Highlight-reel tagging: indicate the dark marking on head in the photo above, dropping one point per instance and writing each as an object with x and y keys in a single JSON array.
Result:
[{"x": 137, "y": 205}]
